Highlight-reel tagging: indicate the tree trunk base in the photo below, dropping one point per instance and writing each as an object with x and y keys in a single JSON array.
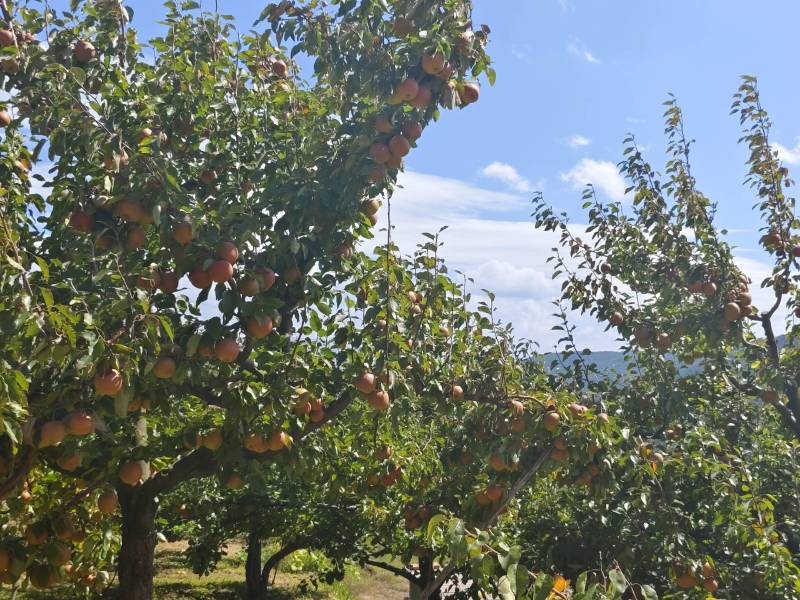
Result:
[
  {"x": 136, "y": 567},
  {"x": 255, "y": 589}
]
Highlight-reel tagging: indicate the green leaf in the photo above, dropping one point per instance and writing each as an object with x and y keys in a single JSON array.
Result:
[
  {"x": 504, "y": 588},
  {"x": 520, "y": 577},
  {"x": 173, "y": 181},
  {"x": 47, "y": 296},
  {"x": 511, "y": 576},
  {"x": 166, "y": 326},
  {"x": 9, "y": 429},
  {"x": 580, "y": 583},
  {"x": 192, "y": 344},
  {"x": 14, "y": 263},
  {"x": 433, "y": 523},
  {"x": 43, "y": 267},
  {"x": 487, "y": 565},
  {"x": 512, "y": 557},
  {"x": 618, "y": 581},
  {"x": 314, "y": 322},
  {"x": 79, "y": 74},
  {"x": 121, "y": 402},
  {"x": 649, "y": 592},
  {"x": 543, "y": 586}
]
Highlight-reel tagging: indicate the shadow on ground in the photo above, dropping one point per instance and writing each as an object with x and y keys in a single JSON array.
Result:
[
  {"x": 176, "y": 581},
  {"x": 176, "y": 591}
]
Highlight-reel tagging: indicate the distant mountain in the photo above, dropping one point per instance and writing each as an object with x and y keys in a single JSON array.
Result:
[
  {"x": 605, "y": 360},
  {"x": 611, "y": 360}
]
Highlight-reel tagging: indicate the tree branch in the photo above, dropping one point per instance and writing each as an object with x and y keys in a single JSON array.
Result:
[
  {"x": 203, "y": 463},
  {"x": 794, "y": 402},
  {"x": 333, "y": 410},
  {"x": 275, "y": 559},
  {"x": 743, "y": 386},
  {"x": 200, "y": 463},
  {"x": 392, "y": 569},
  {"x": 10, "y": 18},
  {"x": 778, "y": 296},
  {"x": 772, "y": 344},
  {"x": 790, "y": 413},
  {"x": 755, "y": 347},
  {"x": 204, "y": 395},
  {"x": 26, "y": 463},
  {"x": 489, "y": 520},
  {"x": 787, "y": 415}
]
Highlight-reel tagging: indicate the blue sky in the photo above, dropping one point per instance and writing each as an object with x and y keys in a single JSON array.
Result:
[{"x": 574, "y": 76}]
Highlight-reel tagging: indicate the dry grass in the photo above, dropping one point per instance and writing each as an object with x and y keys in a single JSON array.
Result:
[
  {"x": 376, "y": 584},
  {"x": 175, "y": 581}
]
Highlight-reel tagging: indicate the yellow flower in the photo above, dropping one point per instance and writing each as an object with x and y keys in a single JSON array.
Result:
[{"x": 560, "y": 585}]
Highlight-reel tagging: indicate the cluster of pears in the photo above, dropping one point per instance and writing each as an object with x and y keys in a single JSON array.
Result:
[
  {"x": 391, "y": 471},
  {"x": 735, "y": 304},
  {"x": 275, "y": 442},
  {"x": 396, "y": 133},
  {"x": 560, "y": 451},
  {"x": 306, "y": 404},
  {"x": 416, "y": 516},
  {"x": 688, "y": 579},
  {"x": 367, "y": 384},
  {"x": 124, "y": 220},
  {"x": 51, "y": 540}
]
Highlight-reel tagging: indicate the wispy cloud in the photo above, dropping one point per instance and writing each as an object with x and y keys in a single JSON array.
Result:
[
  {"x": 790, "y": 156},
  {"x": 508, "y": 175},
  {"x": 488, "y": 240},
  {"x": 565, "y": 5},
  {"x": 602, "y": 174},
  {"x": 500, "y": 249},
  {"x": 578, "y": 141},
  {"x": 579, "y": 49},
  {"x": 452, "y": 197},
  {"x": 521, "y": 52}
]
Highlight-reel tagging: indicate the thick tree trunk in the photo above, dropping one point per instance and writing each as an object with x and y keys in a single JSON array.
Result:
[
  {"x": 255, "y": 589},
  {"x": 274, "y": 560},
  {"x": 427, "y": 575},
  {"x": 257, "y": 578},
  {"x": 136, "y": 567}
]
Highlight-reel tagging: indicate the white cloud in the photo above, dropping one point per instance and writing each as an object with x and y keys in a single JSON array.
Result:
[
  {"x": 446, "y": 198},
  {"x": 590, "y": 57},
  {"x": 565, "y": 5},
  {"x": 790, "y": 156},
  {"x": 521, "y": 52},
  {"x": 602, "y": 174},
  {"x": 508, "y": 175},
  {"x": 490, "y": 238},
  {"x": 578, "y": 141},
  {"x": 577, "y": 48}
]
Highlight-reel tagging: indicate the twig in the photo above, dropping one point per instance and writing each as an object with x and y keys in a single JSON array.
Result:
[
  {"x": 26, "y": 464},
  {"x": 10, "y": 18},
  {"x": 392, "y": 569}
]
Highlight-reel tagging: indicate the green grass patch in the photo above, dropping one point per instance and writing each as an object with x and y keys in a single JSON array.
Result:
[{"x": 176, "y": 581}]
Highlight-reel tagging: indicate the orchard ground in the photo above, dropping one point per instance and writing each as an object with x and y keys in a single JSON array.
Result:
[{"x": 175, "y": 580}]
